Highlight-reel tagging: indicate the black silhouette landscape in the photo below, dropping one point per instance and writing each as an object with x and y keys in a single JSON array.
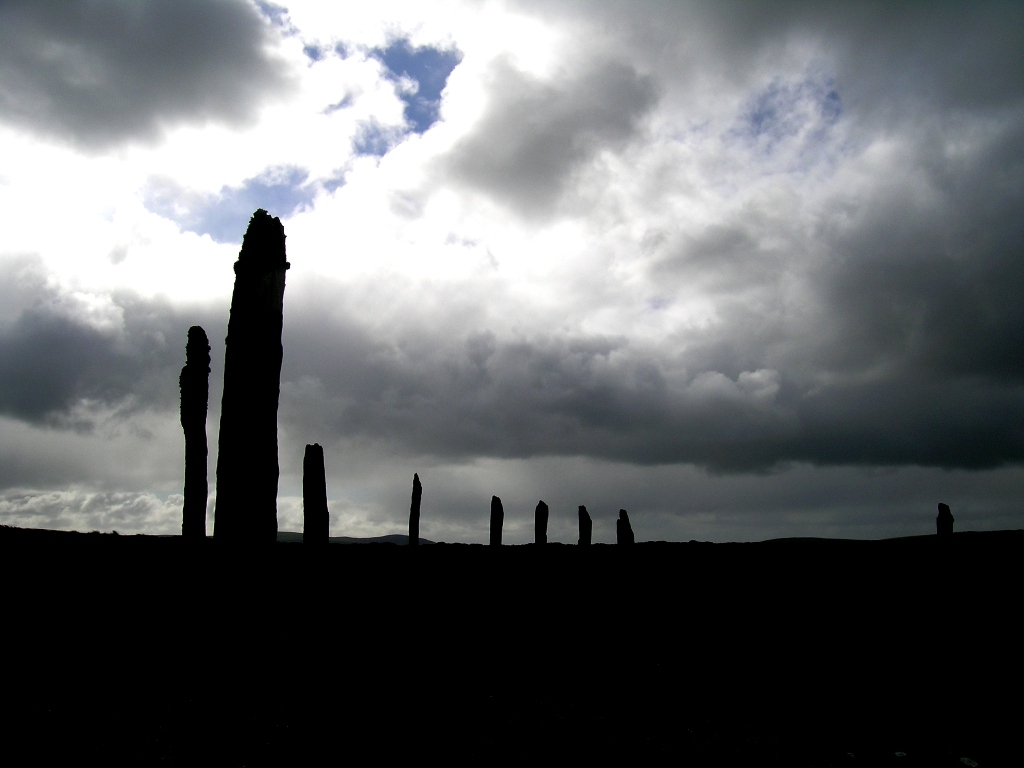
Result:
[{"x": 264, "y": 647}]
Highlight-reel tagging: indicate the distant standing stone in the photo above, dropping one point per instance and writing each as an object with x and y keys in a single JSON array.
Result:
[
  {"x": 586, "y": 527},
  {"x": 944, "y": 521},
  {"x": 414, "y": 511},
  {"x": 623, "y": 530},
  {"x": 540, "y": 523},
  {"x": 497, "y": 520}
]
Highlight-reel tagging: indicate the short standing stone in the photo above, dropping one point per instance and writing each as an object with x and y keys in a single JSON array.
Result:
[
  {"x": 540, "y": 523},
  {"x": 414, "y": 511},
  {"x": 316, "y": 519},
  {"x": 944, "y": 521},
  {"x": 623, "y": 530},
  {"x": 586, "y": 527},
  {"x": 497, "y": 520}
]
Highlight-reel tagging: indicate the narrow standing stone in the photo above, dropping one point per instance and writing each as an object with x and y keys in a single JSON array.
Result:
[
  {"x": 944, "y": 522},
  {"x": 623, "y": 530},
  {"x": 540, "y": 523},
  {"x": 194, "y": 384},
  {"x": 316, "y": 519},
  {"x": 497, "y": 520},
  {"x": 247, "y": 468},
  {"x": 586, "y": 527},
  {"x": 414, "y": 511}
]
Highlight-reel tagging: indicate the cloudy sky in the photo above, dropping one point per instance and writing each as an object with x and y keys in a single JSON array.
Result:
[{"x": 746, "y": 270}]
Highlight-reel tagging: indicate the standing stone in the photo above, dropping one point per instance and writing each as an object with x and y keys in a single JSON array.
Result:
[
  {"x": 586, "y": 527},
  {"x": 944, "y": 522},
  {"x": 194, "y": 384},
  {"x": 540, "y": 523},
  {"x": 247, "y": 468},
  {"x": 316, "y": 519},
  {"x": 414, "y": 511},
  {"x": 623, "y": 530},
  {"x": 497, "y": 520}
]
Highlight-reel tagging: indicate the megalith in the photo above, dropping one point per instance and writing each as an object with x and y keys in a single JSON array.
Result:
[
  {"x": 316, "y": 519},
  {"x": 623, "y": 530},
  {"x": 194, "y": 384},
  {"x": 497, "y": 520},
  {"x": 944, "y": 521},
  {"x": 586, "y": 527},
  {"x": 540, "y": 523},
  {"x": 247, "y": 467},
  {"x": 414, "y": 511}
]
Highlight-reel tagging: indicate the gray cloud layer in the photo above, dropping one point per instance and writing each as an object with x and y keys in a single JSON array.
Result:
[
  {"x": 58, "y": 357},
  {"x": 99, "y": 73},
  {"x": 535, "y": 134}
]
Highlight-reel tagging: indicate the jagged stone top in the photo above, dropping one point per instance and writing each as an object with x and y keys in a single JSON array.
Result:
[
  {"x": 263, "y": 244},
  {"x": 197, "y": 349}
]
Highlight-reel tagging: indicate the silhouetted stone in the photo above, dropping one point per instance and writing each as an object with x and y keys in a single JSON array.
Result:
[
  {"x": 316, "y": 519},
  {"x": 586, "y": 527},
  {"x": 247, "y": 468},
  {"x": 194, "y": 384},
  {"x": 497, "y": 520},
  {"x": 540, "y": 523},
  {"x": 623, "y": 530},
  {"x": 414, "y": 511},
  {"x": 944, "y": 521}
]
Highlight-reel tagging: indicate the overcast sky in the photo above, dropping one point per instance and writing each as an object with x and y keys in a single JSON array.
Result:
[{"x": 746, "y": 270}]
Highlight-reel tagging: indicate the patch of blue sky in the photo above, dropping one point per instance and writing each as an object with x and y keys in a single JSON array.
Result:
[
  {"x": 224, "y": 215},
  {"x": 428, "y": 69},
  {"x": 313, "y": 52},
  {"x": 785, "y": 111},
  {"x": 275, "y": 14},
  {"x": 375, "y": 139}
]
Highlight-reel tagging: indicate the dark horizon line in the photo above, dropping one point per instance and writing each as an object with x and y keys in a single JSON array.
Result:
[{"x": 391, "y": 538}]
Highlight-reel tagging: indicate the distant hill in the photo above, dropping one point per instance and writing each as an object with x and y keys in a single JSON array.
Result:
[{"x": 291, "y": 537}]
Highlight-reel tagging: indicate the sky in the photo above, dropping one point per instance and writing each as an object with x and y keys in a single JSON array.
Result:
[{"x": 747, "y": 270}]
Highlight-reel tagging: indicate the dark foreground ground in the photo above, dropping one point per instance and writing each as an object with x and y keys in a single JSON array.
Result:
[{"x": 122, "y": 650}]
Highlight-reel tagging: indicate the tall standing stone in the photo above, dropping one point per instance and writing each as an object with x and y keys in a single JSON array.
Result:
[
  {"x": 586, "y": 527},
  {"x": 540, "y": 523},
  {"x": 497, "y": 520},
  {"x": 316, "y": 519},
  {"x": 414, "y": 511},
  {"x": 247, "y": 468},
  {"x": 194, "y": 383},
  {"x": 944, "y": 521}
]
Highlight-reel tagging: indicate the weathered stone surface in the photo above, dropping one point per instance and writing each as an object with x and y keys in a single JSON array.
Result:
[
  {"x": 316, "y": 518},
  {"x": 944, "y": 521},
  {"x": 586, "y": 527},
  {"x": 623, "y": 530},
  {"x": 540, "y": 523},
  {"x": 194, "y": 384},
  {"x": 414, "y": 511},
  {"x": 247, "y": 466},
  {"x": 497, "y": 520}
]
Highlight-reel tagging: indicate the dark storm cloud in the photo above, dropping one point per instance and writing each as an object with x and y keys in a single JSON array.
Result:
[
  {"x": 56, "y": 355},
  {"x": 458, "y": 394},
  {"x": 102, "y": 72},
  {"x": 890, "y": 58},
  {"x": 535, "y": 134}
]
